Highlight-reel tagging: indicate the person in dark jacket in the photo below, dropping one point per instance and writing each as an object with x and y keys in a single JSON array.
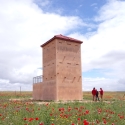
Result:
[{"x": 97, "y": 95}]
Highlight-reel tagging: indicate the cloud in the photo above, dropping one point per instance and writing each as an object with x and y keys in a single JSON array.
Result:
[
  {"x": 43, "y": 3},
  {"x": 105, "y": 83},
  {"x": 6, "y": 85},
  {"x": 24, "y": 26},
  {"x": 112, "y": 67},
  {"x": 104, "y": 48},
  {"x": 121, "y": 81},
  {"x": 111, "y": 10}
]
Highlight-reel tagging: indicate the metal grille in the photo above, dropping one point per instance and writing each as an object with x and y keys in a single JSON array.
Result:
[{"x": 37, "y": 79}]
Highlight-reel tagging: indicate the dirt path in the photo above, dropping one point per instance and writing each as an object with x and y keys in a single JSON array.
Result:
[{"x": 30, "y": 100}]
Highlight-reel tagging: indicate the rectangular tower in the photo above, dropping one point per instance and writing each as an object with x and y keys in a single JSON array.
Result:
[{"x": 62, "y": 75}]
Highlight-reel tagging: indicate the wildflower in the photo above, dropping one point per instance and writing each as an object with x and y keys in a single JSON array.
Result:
[
  {"x": 61, "y": 109},
  {"x": 41, "y": 124},
  {"x": 69, "y": 109},
  {"x": 36, "y": 118},
  {"x": 47, "y": 104},
  {"x": 104, "y": 121},
  {"x": 97, "y": 121},
  {"x": 79, "y": 119},
  {"x": 121, "y": 117},
  {"x": 31, "y": 119},
  {"x": 92, "y": 123},
  {"x": 86, "y": 122},
  {"x": 24, "y": 119},
  {"x": 66, "y": 116},
  {"x": 87, "y": 112}
]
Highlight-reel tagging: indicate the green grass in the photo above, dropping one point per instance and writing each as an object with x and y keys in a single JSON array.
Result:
[{"x": 111, "y": 111}]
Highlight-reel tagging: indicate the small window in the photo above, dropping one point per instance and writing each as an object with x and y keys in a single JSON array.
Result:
[
  {"x": 69, "y": 63},
  {"x": 68, "y": 44}
]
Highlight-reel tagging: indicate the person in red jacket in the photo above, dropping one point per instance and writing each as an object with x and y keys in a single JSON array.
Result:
[
  {"x": 94, "y": 94},
  {"x": 101, "y": 93}
]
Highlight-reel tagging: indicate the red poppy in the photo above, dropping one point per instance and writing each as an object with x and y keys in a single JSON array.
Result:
[
  {"x": 104, "y": 121},
  {"x": 31, "y": 119},
  {"x": 25, "y": 119},
  {"x": 79, "y": 119},
  {"x": 87, "y": 112},
  {"x": 36, "y": 118},
  {"x": 122, "y": 117},
  {"x": 86, "y": 122}
]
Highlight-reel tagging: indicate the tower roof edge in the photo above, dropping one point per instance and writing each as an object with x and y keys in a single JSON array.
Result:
[{"x": 62, "y": 38}]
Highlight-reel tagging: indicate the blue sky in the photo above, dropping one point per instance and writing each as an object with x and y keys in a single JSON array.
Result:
[
  {"x": 81, "y": 8},
  {"x": 86, "y": 10},
  {"x": 26, "y": 24},
  {"x": 96, "y": 73}
]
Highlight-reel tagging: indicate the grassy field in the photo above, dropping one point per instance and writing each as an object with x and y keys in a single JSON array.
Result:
[{"x": 17, "y": 108}]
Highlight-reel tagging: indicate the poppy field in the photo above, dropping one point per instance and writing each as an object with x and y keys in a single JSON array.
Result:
[{"x": 20, "y": 109}]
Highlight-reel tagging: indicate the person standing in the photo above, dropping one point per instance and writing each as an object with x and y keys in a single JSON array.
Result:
[
  {"x": 101, "y": 93},
  {"x": 97, "y": 95},
  {"x": 94, "y": 94}
]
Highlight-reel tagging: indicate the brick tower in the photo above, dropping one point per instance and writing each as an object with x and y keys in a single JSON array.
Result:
[{"x": 62, "y": 75}]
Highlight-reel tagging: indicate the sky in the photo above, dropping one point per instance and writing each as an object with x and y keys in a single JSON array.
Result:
[{"x": 27, "y": 24}]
